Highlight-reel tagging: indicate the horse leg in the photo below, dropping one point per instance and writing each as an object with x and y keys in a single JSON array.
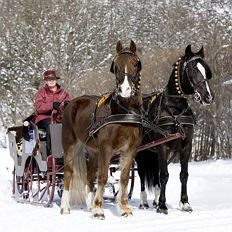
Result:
[
  {"x": 103, "y": 166},
  {"x": 164, "y": 176},
  {"x": 157, "y": 195},
  {"x": 184, "y": 158},
  {"x": 68, "y": 171},
  {"x": 156, "y": 178},
  {"x": 92, "y": 165},
  {"x": 143, "y": 195},
  {"x": 125, "y": 165}
]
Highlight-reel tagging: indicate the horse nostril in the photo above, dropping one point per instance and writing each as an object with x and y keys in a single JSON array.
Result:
[
  {"x": 197, "y": 97},
  {"x": 120, "y": 89}
]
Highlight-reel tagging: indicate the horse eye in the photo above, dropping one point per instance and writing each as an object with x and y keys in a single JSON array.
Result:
[
  {"x": 119, "y": 75},
  {"x": 208, "y": 75},
  {"x": 195, "y": 65},
  {"x": 133, "y": 77}
]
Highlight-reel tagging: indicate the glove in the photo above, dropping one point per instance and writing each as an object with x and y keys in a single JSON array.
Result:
[
  {"x": 66, "y": 103},
  {"x": 56, "y": 105}
]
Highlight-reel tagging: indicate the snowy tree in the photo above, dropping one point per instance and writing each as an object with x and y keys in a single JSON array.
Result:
[{"x": 78, "y": 39}]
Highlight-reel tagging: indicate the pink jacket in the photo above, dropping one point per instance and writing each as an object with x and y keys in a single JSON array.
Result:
[{"x": 44, "y": 99}]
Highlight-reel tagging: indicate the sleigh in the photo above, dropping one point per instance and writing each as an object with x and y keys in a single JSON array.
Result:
[{"x": 38, "y": 176}]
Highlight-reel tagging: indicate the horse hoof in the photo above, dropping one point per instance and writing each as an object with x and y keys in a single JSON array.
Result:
[
  {"x": 25, "y": 196},
  {"x": 143, "y": 206},
  {"x": 186, "y": 207},
  {"x": 155, "y": 205},
  {"x": 126, "y": 214},
  {"x": 99, "y": 216},
  {"x": 163, "y": 211},
  {"x": 64, "y": 211}
]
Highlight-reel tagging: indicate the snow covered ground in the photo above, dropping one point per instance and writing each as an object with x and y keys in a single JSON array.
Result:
[{"x": 210, "y": 195}]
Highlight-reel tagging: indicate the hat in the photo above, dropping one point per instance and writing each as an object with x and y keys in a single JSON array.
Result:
[{"x": 50, "y": 75}]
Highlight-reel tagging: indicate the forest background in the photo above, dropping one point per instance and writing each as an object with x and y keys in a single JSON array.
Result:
[{"x": 78, "y": 38}]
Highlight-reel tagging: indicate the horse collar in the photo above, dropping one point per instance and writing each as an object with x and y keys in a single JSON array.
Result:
[
  {"x": 178, "y": 74},
  {"x": 177, "y": 78}
]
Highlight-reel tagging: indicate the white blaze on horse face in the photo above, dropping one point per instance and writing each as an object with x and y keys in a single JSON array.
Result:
[
  {"x": 125, "y": 86},
  {"x": 202, "y": 71}
]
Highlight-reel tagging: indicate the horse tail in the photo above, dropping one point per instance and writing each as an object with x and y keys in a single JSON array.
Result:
[
  {"x": 79, "y": 177},
  {"x": 148, "y": 164}
]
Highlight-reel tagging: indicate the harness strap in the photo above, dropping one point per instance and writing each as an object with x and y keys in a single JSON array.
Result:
[
  {"x": 176, "y": 120},
  {"x": 153, "y": 99},
  {"x": 115, "y": 119},
  {"x": 125, "y": 118},
  {"x": 103, "y": 99}
]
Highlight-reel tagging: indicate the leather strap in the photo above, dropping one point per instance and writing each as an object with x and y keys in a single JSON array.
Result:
[{"x": 176, "y": 120}]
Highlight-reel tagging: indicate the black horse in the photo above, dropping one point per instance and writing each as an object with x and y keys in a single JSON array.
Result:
[{"x": 170, "y": 110}]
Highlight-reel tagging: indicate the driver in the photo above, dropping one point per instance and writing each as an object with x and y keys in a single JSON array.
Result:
[{"x": 48, "y": 98}]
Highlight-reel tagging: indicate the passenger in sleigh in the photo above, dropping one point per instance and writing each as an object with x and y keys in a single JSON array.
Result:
[{"x": 49, "y": 99}]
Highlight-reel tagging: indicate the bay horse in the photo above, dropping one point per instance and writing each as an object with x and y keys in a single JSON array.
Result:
[
  {"x": 87, "y": 155},
  {"x": 170, "y": 110}
]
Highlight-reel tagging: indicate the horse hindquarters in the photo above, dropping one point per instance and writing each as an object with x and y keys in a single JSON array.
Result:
[{"x": 74, "y": 159}]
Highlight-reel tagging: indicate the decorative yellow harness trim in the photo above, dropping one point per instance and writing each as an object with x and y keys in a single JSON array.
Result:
[
  {"x": 155, "y": 97},
  {"x": 103, "y": 99}
]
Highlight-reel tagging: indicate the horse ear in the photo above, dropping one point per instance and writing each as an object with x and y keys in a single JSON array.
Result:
[
  {"x": 112, "y": 67},
  {"x": 201, "y": 52},
  {"x": 139, "y": 66},
  {"x": 132, "y": 46},
  {"x": 119, "y": 46},
  {"x": 188, "y": 50}
]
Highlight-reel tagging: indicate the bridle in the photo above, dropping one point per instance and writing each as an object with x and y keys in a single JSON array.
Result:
[
  {"x": 185, "y": 70},
  {"x": 133, "y": 79}
]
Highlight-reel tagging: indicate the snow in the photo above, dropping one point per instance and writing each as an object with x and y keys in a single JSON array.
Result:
[
  {"x": 209, "y": 190},
  {"x": 229, "y": 82}
]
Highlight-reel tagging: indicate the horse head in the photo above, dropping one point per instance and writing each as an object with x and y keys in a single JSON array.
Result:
[
  {"x": 127, "y": 66},
  {"x": 192, "y": 75}
]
